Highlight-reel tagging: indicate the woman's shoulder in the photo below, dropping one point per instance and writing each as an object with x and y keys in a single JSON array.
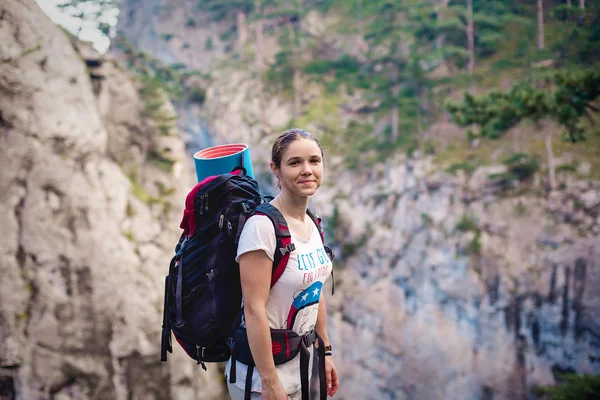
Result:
[
  {"x": 260, "y": 223},
  {"x": 259, "y": 219}
]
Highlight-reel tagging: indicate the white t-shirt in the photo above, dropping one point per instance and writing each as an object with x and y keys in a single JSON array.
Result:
[{"x": 293, "y": 301}]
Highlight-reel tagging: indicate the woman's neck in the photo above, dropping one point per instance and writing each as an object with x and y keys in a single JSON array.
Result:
[{"x": 293, "y": 206}]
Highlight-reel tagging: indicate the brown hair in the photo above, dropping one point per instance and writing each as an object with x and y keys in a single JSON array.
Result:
[{"x": 284, "y": 140}]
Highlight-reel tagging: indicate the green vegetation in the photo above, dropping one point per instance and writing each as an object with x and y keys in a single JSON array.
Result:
[
  {"x": 573, "y": 387},
  {"x": 331, "y": 226},
  {"x": 167, "y": 36},
  {"x": 403, "y": 59},
  {"x": 349, "y": 249},
  {"x": 129, "y": 235},
  {"x": 129, "y": 211},
  {"x": 521, "y": 167},
  {"x": 160, "y": 83},
  {"x": 468, "y": 224},
  {"x": 426, "y": 219},
  {"x": 30, "y": 50},
  {"x": 163, "y": 190},
  {"x": 566, "y": 97},
  {"x": 140, "y": 192},
  {"x": 160, "y": 160},
  {"x": 466, "y": 166},
  {"x": 569, "y": 168}
]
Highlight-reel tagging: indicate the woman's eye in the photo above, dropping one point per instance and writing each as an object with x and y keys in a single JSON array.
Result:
[{"x": 315, "y": 161}]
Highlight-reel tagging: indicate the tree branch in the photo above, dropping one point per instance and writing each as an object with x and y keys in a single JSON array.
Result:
[
  {"x": 593, "y": 107},
  {"x": 589, "y": 117}
]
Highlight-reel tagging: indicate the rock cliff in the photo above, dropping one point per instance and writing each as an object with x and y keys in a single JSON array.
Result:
[
  {"x": 462, "y": 291},
  {"x": 90, "y": 201},
  {"x": 448, "y": 287}
]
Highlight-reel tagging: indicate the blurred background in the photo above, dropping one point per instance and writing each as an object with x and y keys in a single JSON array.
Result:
[{"x": 462, "y": 188}]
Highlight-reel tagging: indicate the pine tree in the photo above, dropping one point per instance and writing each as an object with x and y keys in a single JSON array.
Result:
[
  {"x": 485, "y": 21},
  {"x": 540, "y": 23},
  {"x": 566, "y": 98},
  {"x": 470, "y": 38},
  {"x": 389, "y": 55}
]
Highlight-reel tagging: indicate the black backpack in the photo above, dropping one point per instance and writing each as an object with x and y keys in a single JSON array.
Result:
[{"x": 202, "y": 290}]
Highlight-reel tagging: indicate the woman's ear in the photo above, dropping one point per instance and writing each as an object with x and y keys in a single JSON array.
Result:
[{"x": 274, "y": 169}]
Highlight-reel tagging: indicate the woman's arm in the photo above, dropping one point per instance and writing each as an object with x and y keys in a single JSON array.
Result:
[
  {"x": 321, "y": 328},
  {"x": 321, "y": 325},
  {"x": 255, "y": 274}
]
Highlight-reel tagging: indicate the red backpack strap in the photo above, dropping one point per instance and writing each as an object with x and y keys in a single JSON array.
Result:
[
  {"x": 328, "y": 250},
  {"x": 315, "y": 218},
  {"x": 284, "y": 239}
]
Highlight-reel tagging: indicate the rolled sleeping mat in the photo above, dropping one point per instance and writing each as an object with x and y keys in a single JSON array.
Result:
[{"x": 222, "y": 159}]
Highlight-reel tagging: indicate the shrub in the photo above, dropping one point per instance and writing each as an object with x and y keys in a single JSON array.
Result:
[
  {"x": 466, "y": 166},
  {"x": 521, "y": 166},
  {"x": 167, "y": 36},
  {"x": 467, "y": 224},
  {"x": 573, "y": 387}
]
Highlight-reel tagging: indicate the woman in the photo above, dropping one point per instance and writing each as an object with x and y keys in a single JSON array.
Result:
[{"x": 297, "y": 163}]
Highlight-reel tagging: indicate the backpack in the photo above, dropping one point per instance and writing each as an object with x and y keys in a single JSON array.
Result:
[{"x": 202, "y": 303}]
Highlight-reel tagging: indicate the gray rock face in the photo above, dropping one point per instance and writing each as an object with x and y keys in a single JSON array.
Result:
[
  {"x": 447, "y": 287},
  {"x": 174, "y": 32},
  {"x": 83, "y": 254},
  {"x": 453, "y": 299}
]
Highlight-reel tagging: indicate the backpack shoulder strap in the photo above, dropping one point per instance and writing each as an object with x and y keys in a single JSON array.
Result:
[
  {"x": 315, "y": 218},
  {"x": 328, "y": 250},
  {"x": 318, "y": 222},
  {"x": 283, "y": 236}
]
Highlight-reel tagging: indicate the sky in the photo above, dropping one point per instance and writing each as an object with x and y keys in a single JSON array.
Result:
[{"x": 89, "y": 30}]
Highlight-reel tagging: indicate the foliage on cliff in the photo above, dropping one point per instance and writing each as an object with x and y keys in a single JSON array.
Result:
[
  {"x": 573, "y": 387},
  {"x": 403, "y": 59}
]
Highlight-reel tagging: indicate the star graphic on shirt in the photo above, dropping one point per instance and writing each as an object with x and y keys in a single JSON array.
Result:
[
  {"x": 316, "y": 292},
  {"x": 304, "y": 297}
]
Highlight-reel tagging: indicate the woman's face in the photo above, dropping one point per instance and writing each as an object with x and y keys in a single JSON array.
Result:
[{"x": 301, "y": 168}]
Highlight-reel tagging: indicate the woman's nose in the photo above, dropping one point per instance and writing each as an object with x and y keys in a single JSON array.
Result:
[{"x": 306, "y": 169}]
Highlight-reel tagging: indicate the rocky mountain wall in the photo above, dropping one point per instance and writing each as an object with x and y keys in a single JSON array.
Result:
[
  {"x": 461, "y": 290},
  {"x": 89, "y": 221},
  {"x": 447, "y": 287}
]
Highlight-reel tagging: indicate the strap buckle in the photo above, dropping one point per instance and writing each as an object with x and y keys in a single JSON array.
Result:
[
  {"x": 287, "y": 249},
  {"x": 309, "y": 338},
  {"x": 212, "y": 274},
  {"x": 246, "y": 208}
]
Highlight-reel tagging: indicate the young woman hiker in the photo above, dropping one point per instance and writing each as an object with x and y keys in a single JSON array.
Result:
[{"x": 295, "y": 302}]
